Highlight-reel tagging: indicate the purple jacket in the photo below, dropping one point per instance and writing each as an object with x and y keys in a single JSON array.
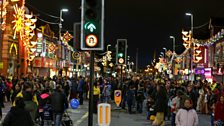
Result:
[{"x": 186, "y": 118}]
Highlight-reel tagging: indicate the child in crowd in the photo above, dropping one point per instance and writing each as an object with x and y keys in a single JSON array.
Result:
[{"x": 187, "y": 116}]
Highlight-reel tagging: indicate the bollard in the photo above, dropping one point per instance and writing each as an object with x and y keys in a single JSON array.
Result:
[{"x": 104, "y": 114}]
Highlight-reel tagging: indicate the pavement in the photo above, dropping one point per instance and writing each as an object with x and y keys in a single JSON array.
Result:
[{"x": 119, "y": 117}]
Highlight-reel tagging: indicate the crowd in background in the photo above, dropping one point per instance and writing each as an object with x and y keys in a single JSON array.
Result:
[{"x": 165, "y": 99}]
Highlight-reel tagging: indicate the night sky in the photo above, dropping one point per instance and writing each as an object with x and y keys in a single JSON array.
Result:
[{"x": 142, "y": 22}]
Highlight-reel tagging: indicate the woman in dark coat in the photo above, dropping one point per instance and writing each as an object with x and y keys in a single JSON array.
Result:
[
  {"x": 161, "y": 105},
  {"x": 18, "y": 115}
]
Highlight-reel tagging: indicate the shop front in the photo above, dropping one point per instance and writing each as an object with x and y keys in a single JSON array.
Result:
[{"x": 43, "y": 66}]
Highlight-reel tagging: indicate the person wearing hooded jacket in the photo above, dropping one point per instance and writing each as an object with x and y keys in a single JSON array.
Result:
[
  {"x": 18, "y": 115},
  {"x": 187, "y": 116}
]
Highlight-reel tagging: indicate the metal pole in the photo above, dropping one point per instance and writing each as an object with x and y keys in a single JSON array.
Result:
[
  {"x": 136, "y": 65},
  {"x": 174, "y": 44},
  {"x": 1, "y": 36},
  {"x": 121, "y": 74},
  {"x": 192, "y": 48},
  {"x": 90, "y": 119},
  {"x": 59, "y": 32}
]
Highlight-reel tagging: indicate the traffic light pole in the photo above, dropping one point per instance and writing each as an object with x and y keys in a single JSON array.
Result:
[
  {"x": 121, "y": 73},
  {"x": 90, "y": 119}
]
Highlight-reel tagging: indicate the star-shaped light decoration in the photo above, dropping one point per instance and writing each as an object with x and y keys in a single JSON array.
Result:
[
  {"x": 18, "y": 20},
  {"x": 67, "y": 37}
]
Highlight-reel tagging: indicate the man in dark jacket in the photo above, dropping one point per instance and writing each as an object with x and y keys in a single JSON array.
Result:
[
  {"x": 80, "y": 87},
  {"x": 58, "y": 103},
  {"x": 18, "y": 115}
]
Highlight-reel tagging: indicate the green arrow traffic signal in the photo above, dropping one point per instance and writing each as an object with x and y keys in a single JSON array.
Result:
[
  {"x": 90, "y": 26},
  {"x": 120, "y": 54}
]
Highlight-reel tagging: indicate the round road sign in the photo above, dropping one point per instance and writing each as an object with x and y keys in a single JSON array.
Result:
[
  {"x": 118, "y": 94},
  {"x": 91, "y": 40},
  {"x": 121, "y": 60}
]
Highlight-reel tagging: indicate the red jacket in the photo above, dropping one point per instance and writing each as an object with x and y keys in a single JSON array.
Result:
[
  {"x": 219, "y": 111},
  {"x": 9, "y": 86}
]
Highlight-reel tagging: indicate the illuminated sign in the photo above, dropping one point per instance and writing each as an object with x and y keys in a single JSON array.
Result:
[{"x": 91, "y": 40}]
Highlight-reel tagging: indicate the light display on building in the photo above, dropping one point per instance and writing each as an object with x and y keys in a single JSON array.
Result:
[
  {"x": 18, "y": 21},
  {"x": 4, "y": 12},
  {"x": 67, "y": 37}
]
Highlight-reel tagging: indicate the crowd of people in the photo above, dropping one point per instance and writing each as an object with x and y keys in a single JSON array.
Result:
[{"x": 47, "y": 98}]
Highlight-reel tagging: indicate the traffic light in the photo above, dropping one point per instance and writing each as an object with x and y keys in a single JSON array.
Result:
[
  {"x": 92, "y": 25},
  {"x": 121, "y": 51}
]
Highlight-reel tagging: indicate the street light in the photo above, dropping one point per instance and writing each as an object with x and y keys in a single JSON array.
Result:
[
  {"x": 60, "y": 21},
  {"x": 191, "y": 15},
  {"x": 172, "y": 37},
  {"x": 60, "y": 26},
  {"x": 191, "y": 43},
  {"x": 165, "y": 49},
  {"x": 108, "y": 47},
  {"x": 162, "y": 54}
]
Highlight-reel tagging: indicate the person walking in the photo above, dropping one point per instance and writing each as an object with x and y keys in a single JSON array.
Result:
[
  {"x": 175, "y": 106},
  {"x": 187, "y": 116},
  {"x": 96, "y": 96},
  {"x": 18, "y": 115},
  {"x": 58, "y": 103},
  {"x": 2, "y": 89},
  {"x": 140, "y": 98},
  {"x": 15, "y": 92},
  {"x": 81, "y": 86},
  {"x": 219, "y": 111},
  {"x": 130, "y": 98},
  {"x": 161, "y": 105},
  {"x": 30, "y": 99}
]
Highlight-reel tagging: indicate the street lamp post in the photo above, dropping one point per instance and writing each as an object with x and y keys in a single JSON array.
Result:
[
  {"x": 165, "y": 50},
  {"x": 60, "y": 27},
  {"x": 191, "y": 43},
  {"x": 60, "y": 21},
  {"x": 163, "y": 55},
  {"x": 108, "y": 47},
  {"x": 107, "y": 59},
  {"x": 172, "y": 37}
]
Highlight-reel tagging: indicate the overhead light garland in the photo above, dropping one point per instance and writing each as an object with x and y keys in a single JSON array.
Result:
[{"x": 215, "y": 38}]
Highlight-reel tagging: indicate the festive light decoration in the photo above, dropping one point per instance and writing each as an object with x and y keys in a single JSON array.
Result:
[
  {"x": 4, "y": 12},
  {"x": 15, "y": 0},
  {"x": 67, "y": 37},
  {"x": 169, "y": 53},
  {"x": 178, "y": 60},
  {"x": 214, "y": 39},
  {"x": 18, "y": 21},
  {"x": 29, "y": 27},
  {"x": 187, "y": 39},
  {"x": 15, "y": 47},
  {"x": 51, "y": 48},
  {"x": 75, "y": 55}
]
